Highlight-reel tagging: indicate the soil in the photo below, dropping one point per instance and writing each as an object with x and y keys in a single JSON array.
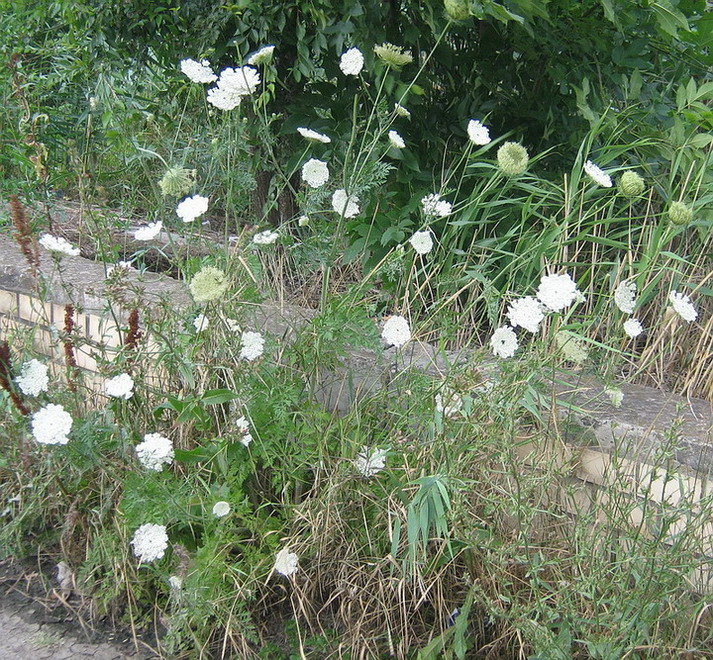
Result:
[{"x": 38, "y": 622}]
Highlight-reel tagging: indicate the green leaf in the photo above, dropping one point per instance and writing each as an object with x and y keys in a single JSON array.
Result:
[{"x": 216, "y": 397}]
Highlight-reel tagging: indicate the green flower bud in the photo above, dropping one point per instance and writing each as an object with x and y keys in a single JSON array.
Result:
[
  {"x": 208, "y": 284},
  {"x": 177, "y": 182},
  {"x": 393, "y": 56},
  {"x": 631, "y": 184},
  {"x": 512, "y": 158},
  {"x": 679, "y": 213},
  {"x": 457, "y": 10}
]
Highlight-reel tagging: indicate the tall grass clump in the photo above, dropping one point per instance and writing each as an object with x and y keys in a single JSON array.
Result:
[{"x": 209, "y": 483}]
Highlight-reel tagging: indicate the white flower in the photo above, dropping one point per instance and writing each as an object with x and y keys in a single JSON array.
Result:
[
  {"x": 315, "y": 172},
  {"x": 345, "y": 205},
  {"x": 261, "y": 56},
  {"x": 370, "y": 462},
  {"x": 192, "y": 207},
  {"x": 448, "y": 402},
  {"x": 422, "y": 242},
  {"x": 149, "y": 232},
  {"x": 246, "y": 440},
  {"x": 58, "y": 244},
  {"x": 175, "y": 582},
  {"x": 633, "y": 328},
  {"x": 242, "y": 424},
  {"x": 252, "y": 346},
  {"x": 625, "y": 296},
  {"x": 221, "y": 509},
  {"x": 683, "y": 306},
  {"x": 286, "y": 562},
  {"x": 351, "y": 62},
  {"x": 309, "y": 134},
  {"x": 120, "y": 265},
  {"x": 396, "y": 331},
  {"x": 232, "y": 85},
  {"x": 526, "y": 313},
  {"x": 616, "y": 396},
  {"x": 201, "y": 322},
  {"x": 504, "y": 342},
  {"x": 434, "y": 206},
  {"x": 233, "y": 325},
  {"x": 266, "y": 237},
  {"x": 33, "y": 378},
  {"x": 401, "y": 111},
  {"x": 396, "y": 140},
  {"x": 198, "y": 72},
  {"x": 599, "y": 176},
  {"x": 51, "y": 425},
  {"x": 303, "y": 221},
  {"x": 557, "y": 292},
  {"x": 478, "y": 133},
  {"x": 155, "y": 451},
  {"x": 121, "y": 386},
  {"x": 150, "y": 542}
]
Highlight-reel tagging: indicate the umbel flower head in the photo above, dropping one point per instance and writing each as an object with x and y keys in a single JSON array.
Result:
[
  {"x": 504, "y": 342},
  {"x": 313, "y": 136},
  {"x": 198, "y": 72},
  {"x": 457, "y": 10},
  {"x": 396, "y": 331},
  {"x": 435, "y": 207},
  {"x": 315, "y": 173},
  {"x": 631, "y": 184},
  {"x": 261, "y": 56},
  {"x": 58, "y": 244},
  {"x": 393, "y": 56},
  {"x": 120, "y": 387},
  {"x": 512, "y": 158},
  {"x": 477, "y": 133},
  {"x": 422, "y": 242},
  {"x": 209, "y": 283},
  {"x": 679, "y": 213},
  {"x": 633, "y": 328},
  {"x": 683, "y": 306},
  {"x": 252, "y": 345},
  {"x": 155, "y": 451},
  {"x": 344, "y": 204},
  {"x": 177, "y": 181},
  {"x": 625, "y": 296},
  {"x": 33, "y": 378},
  {"x": 286, "y": 562},
  {"x": 51, "y": 425},
  {"x": 557, "y": 292},
  {"x": 192, "y": 207},
  {"x": 598, "y": 175},
  {"x": 232, "y": 85},
  {"x": 526, "y": 313},
  {"x": 149, "y": 232},
  {"x": 150, "y": 542},
  {"x": 397, "y": 142},
  {"x": 370, "y": 462},
  {"x": 351, "y": 62}
]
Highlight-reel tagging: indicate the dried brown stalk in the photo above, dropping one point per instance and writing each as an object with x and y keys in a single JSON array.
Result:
[
  {"x": 23, "y": 234},
  {"x": 134, "y": 333},
  {"x": 6, "y": 378},
  {"x": 69, "y": 357}
]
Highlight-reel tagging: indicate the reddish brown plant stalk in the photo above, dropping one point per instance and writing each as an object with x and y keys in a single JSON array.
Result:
[
  {"x": 134, "y": 333},
  {"x": 69, "y": 358},
  {"x": 6, "y": 378},
  {"x": 23, "y": 234}
]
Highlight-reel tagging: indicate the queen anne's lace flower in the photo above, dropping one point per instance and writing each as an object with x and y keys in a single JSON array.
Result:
[
  {"x": 573, "y": 349},
  {"x": 33, "y": 378},
  {"x": 58, "y": 244},
  {"x": 309, "y": 134},
  {"x": 120, "y": 387},
  {"x": 149, "y": 232},
  {"x": 422, "y": 242},
  {"x": 201, "y": 322},
  {"x": 261, "y": 56},
  {"x": 526, "y": 313},
  {"x": 683, "y": 306},
  {"x": 286, "y": 562},
  {"x": 448, "y": 402},
  {"x": 433, "y": 206},
  {"x": 557, "y": 292},
  {"x": 150, "y": 542},
  {"x": 401, "y": 111},
  {"x": 51, "y": 425},
  {"x": 396, "y": 140},
  {"x": 679, "y": 213},
  {"x": 209, "y": 283},
  {"x": 266, "y": 237},
  {"x": 599, "y": 176},
  {"x": 252, "y": 346},
  {"x": 232, "y": 86},
  {"x": 155, "y": 451},
  {"x": 370, "y": 462},
  {"x": 177, "y": 181},
  {"x": 512, "y": 158},
  {"x": 631, "y": 184},
  {"x": 192, "y": 207},
  {"x": 504, "y": 342},
  {"x": 345, "y": 205},
  {"x": 633, "y": 328},
  {"x": 478, "y": 133},
  {"x": 198, "y": 72},
  {"x": 221, "y": 509},
  {"x": 393, "y": 56},
  {"x": 244, "y": 428},
  {"x": 616, "y": 396},
  {"x": 396, "y": 331},
  {"x": 315, "y": 173},
  {"x": 351, "y": 62},
  {"x": 625, "y": 296}
]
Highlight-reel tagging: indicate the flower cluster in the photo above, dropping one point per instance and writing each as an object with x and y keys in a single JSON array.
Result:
[
  {"x": 252, "y": 346},
  {"x": 679, "y": 213},
  {"x": 512, "y": 158},
  {"x": 557, "y": 292},
  {"x": 396, "y": 331},
  {"x": 244, "y": 428},
  {"x": 209, "y": 283},
  {"x": 155, "y": 451},
  {"x": 267, "y": 237},
  {"x": 345, "y": 205},
  {"x": 33, "y": 378},
  {"x": 120, "y": 387},
  {"x": 232, "y": 86},
  {"x": 351, "y": 62},
  {"x": 261, "y": 56},
  {"x": 683, "y": 306},
  {"x": 631, "y": 184},
  {"x": 625, "y": 296},
  {"x": 422, "y": 242},
  {"x": 448, "y": 402},
  {"x": 191, "y": 208},
  {"x": 435, "y": 207},
  {"x": 397, "y": 142},
  {"x": 51, "y": 425},
  {"x": 393, "y": 56},
  {"x": 198, "y": 72},
  {"x": 504, "y": 342},
  {"x": 596, "y": 174},
  {"x": 177, "y": 181},
  {"x": 370, "y": 462},
  {"x": 58, "y": 244},
  {"x": 633, "y": 328},
  {"x": 221, "y": 509},
  {"x": 477, "y": 133},
  {"x": 527, "y": 313},
  {"x": 313, "y": 136},
  {"x": 315, "y": 173},
  {"x": 201, "y": 322},
  {"x": 150, "y": 542},
  {"x": 149, "y": 232},
  {"x": 286, "y": 562}
]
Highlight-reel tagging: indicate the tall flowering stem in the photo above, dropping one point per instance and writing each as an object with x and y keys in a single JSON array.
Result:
[
  {"x": 23, "y": 234},
  {"x": 69, "y": 357},
  {"x": 134, "y": 333},
  {"x": 6, "y": 378}
]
